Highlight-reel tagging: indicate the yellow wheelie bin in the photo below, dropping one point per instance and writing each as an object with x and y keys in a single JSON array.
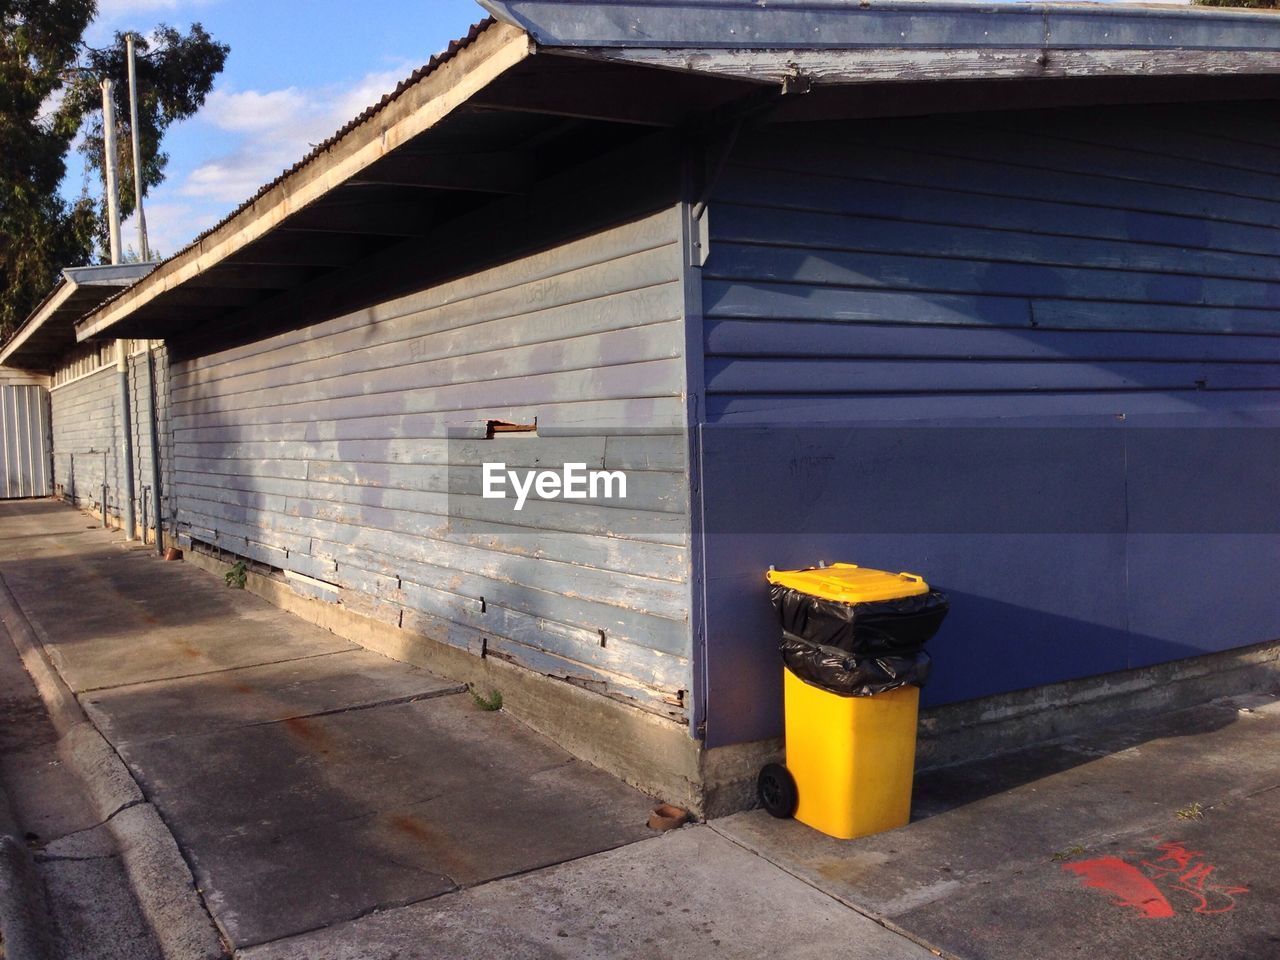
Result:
[{"x": 853, "y": 653}]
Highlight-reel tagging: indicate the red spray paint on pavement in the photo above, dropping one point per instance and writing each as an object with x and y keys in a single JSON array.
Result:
[{"x": 1127, "y": 883}]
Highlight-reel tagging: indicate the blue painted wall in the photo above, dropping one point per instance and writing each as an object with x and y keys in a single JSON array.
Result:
[{"x": 1031, "y": 356}]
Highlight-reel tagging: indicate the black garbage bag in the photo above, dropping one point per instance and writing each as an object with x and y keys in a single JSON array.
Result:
[
  {"x": 902, "y": 625},
  {"x": 848, "y": 675},
  {"x": 858, "y": 649}
]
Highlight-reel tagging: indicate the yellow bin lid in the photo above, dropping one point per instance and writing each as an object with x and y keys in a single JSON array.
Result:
[{"x": 850, "y": 583}]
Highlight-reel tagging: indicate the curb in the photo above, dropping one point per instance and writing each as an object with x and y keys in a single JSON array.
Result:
[{"x": 161, "y": 879}]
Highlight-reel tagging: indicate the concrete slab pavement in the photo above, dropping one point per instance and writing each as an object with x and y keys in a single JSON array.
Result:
[
  {"x": 1195, "y": 889},
  {"x": 690, "y": 893},
  {"x": 1051, "y": 852},
  {"x": 90, "y": 604},
  {"x": 336, "y": 805},
  {"x": 297, "y": 824},
  {"x": 241, "y": 696},
  {"x": 306, "y": 780},
  {"x": 63, "y": 888}
]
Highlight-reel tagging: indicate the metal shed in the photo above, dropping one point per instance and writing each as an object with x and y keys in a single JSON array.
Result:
[
  {"x": 986, "y": 292},
  {"x": 78, "y": 434}
]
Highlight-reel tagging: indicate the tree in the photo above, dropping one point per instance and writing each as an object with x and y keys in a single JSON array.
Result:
[
  {"x": 38, "y": 231},
  {"x": 175, "y": 73},
  {"x": 49, "y": 94}
]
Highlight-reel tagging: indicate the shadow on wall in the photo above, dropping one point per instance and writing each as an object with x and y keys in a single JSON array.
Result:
[
  {"x": 1069, "y": 551},
  {"x": 988, "y": 645}
]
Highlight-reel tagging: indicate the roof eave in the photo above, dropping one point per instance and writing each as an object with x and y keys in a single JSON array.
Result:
[
  {"x": 108, "y": 277},
  {"x": 417, "y": 108},
  {"x": 12, "y": 348},
  {"x": 839, "y": 47}
]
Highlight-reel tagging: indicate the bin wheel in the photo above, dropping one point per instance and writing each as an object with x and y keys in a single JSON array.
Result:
[{"x": 777, "y": 789}]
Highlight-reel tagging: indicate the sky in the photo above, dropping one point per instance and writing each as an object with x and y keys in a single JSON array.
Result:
[{"x": 297, "y": 71}]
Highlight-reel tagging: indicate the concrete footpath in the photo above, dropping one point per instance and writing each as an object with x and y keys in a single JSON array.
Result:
[
  {"x": 331, "y": 802},
  {"x": 320, "y": 801},
  {"x": 64, "y": 890}
]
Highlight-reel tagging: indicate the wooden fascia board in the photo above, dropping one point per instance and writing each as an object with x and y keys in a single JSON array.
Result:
[
  {"x": 415, "y": 111},
  {"x": 852, "y": 66}
]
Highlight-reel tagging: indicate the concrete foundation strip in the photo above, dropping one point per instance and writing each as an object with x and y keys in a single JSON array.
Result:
[{"x": 160, "y": 877}]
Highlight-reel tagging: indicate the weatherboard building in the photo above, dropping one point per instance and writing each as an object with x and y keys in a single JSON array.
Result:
[{"x": 985, "y": 293}]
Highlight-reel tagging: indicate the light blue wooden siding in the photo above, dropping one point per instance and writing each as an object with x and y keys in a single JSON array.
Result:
[
  {"x": 323, "y": 452},
  {"x": 140, "y": 401},
  {"x": 1111, "y": 269},
  {"x": 86, "y": 440}
]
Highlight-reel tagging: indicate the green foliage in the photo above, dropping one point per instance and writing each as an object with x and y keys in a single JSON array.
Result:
[
  {"x": 39, "y": 232},
  {"x": 492, "y": 702},
  {"x": 1193, "y": 811},
  {"x": 49, "y": 94},
  {"x": 175, "y": 74},
  {"x": 237, "y": 575}
]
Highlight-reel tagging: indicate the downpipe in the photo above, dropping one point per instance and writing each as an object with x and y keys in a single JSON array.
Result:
[{"x": 126, "y": 425}]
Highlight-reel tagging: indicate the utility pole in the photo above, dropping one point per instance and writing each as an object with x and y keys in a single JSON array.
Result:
[
  {"x": 109, "y": 167},
  {"x": 143, "y": 251},
  {"x": 122, "y": 352}
]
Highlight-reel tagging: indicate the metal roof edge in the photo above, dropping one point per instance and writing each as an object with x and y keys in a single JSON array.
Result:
[
  {"x": 71, "y": 279},
  {"x": 904, "y": 24},
  {"x": 109, "y": 274}
]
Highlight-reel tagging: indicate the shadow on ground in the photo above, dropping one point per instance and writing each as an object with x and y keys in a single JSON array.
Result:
[{"x": 307, "y": 780}]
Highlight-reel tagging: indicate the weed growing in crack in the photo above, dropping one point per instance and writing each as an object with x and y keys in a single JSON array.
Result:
[
  {"x": 492, "y": 702},
  {"x": 1192, "y": 812},
  {"x": 237, "y": 575}
]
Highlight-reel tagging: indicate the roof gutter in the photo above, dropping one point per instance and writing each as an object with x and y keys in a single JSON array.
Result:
[{"x": 414, "y": 110}]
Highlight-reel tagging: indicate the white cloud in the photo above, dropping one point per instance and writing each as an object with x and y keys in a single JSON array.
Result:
[
  {"x": 371, "y": 88},
  {"x": 234, "y": 179},
  {"x": 252, "y": 111},
  {"x": 262, "y": 133},
  {"x": 277, "y": 129},
  {"x": 170, "y": 226},
  {"x": 111, "y": 9}
]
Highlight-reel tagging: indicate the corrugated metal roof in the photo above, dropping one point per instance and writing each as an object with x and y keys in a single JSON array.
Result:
[
  {"x": 314, "y": 176},
  {"x": 324, "y": 146}
]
